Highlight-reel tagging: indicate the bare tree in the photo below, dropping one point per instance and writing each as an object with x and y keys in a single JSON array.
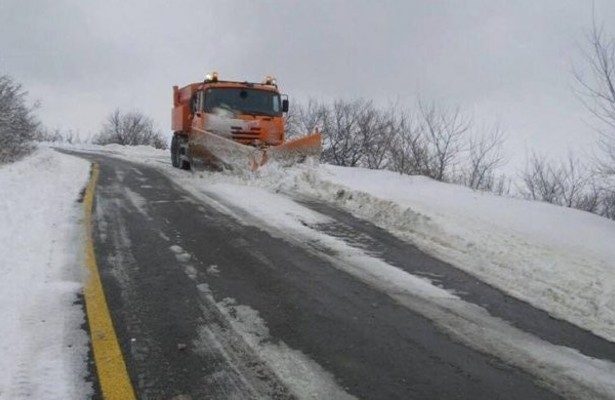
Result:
[
  {"x": 607, "y": 203},
  {"x": 344, "y": 126},
  {"x": 592, "y": 199},
  {"x": 598, "y": 91},
  {"x": 574, "y": 181},
  {"x": 502, "y": 185},
  {"x": 304, "y": 119},
  {"x": 356, "y": 133},
  {"x": 378, "y": 128},
  {"x": 18, "y": 125},
  {"x": 408, "y": 149},
  {"x": 291, "y": 122},
  {"x": 541, "y": 180},
  {"x": 434, "y": 142},
  {"x": 443, "y": 132},
  {"x": 130, "y": 129},
  {"x": 46, "y": 135},
  {"x": 568, "y": 183},
  {"x": 431, "y": 143},
  {"x": 484, "y": 156},
  {"x": 70, "y": 136}
]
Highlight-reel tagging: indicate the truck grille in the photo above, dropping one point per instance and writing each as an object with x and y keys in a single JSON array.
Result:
[{"x": 238, "y": 133}]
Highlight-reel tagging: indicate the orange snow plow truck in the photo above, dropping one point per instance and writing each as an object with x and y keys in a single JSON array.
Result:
[{"x": 224, "y": 124}]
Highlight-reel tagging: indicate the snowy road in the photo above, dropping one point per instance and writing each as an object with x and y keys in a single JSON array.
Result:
[{"x": 210, "y": 302}]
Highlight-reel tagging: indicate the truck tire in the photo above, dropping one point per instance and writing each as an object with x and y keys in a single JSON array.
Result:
[
  {"x": 174, "y": 146},
  {"x": 181, "y": 153}
]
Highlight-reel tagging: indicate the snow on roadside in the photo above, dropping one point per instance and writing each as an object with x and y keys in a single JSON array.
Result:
[{"x": 43, "y": 347}]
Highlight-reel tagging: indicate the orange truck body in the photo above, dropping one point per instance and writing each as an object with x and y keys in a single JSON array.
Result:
[{"x": 206, "y": 129}]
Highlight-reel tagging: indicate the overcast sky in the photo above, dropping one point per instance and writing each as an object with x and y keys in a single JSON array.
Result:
[{"x": 501, "y": 60}]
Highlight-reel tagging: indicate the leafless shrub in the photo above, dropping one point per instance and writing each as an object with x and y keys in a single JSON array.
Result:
[
  {"x": 18, "y": 124},
  {"x": 130, "y": 129},
  {"x": 58, "y": 136},
  {"x": 484, "y": 156},
  {"x": 541, "y": 180},
  {"x": 598, "y": 92},
  {"x": 46, "y": 135},
  {"x": 432, "y": 142},
  {"x": 574, "y": 181},
  {"x": 443, "y": 132},
  {"x": 71, "y": 137},
  {"x": 408, "y": 149},
  {"x": 568, "y": 183},
  {"x": 345, "y": 134},
  {"x": 502, "y": 185},
  {"x": 378, "y": 128},
  {"x": 356, "y": 133},
  {"x": 438, "y": 143},
  {"x": 607, "y": 203},
  {"x": 304, "y": 119}
]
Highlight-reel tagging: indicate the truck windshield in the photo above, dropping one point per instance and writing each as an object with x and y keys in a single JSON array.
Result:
[{"x": 243, "y": 101}]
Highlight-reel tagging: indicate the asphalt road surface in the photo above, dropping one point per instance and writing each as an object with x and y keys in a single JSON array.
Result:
[{"x": 206, "y": 307}]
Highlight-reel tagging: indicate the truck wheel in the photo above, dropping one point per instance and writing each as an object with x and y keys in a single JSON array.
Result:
[
  {"x": 174, "y": 146},
  {"x": 182, "y": 149}
]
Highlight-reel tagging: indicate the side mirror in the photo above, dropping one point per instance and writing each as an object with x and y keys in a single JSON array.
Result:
[{"x": 285, "y": 105}]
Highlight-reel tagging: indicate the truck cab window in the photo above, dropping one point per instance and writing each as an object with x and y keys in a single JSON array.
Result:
[{"x": 243, "y": 101}]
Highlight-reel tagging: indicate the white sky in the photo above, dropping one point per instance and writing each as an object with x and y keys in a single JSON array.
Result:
[{"x": 506, "y": 61}]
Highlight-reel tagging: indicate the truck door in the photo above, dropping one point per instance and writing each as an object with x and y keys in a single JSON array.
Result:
[{"x": 199, "y": 114}]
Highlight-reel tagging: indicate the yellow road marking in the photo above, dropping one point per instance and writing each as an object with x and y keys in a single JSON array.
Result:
[{"x": 110, "y": 366}]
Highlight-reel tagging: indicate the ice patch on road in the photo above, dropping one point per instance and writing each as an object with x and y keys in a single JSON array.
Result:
[
  {"x": 254, "y": 366},
  {"x": 191, "y": 271},
  {"x": 213, "y": 270},
  {"x": 180, "y": 254},
  {"x": 137, "y": 201},
  {"x": 176, "y": 249},
  {"x": 120, "y": 175},
  {"x": 183, "y": 257},
  {"x": 304, "y": 377}
]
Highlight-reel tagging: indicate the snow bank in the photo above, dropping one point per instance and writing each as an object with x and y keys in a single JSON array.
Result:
[
  {"x": 558, "y": 259},
  {"x": 43, "y": 347}
]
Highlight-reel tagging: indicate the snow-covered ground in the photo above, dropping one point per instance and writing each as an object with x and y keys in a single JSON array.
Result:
[
  {"x": 43, "y": 347},
  {"x": 558, "y": 259}
]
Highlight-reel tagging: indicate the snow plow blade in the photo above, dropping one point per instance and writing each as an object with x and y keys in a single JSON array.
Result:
[
  {"x": 296, "y": 151},
  {"x": 218, "y": 152}
]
